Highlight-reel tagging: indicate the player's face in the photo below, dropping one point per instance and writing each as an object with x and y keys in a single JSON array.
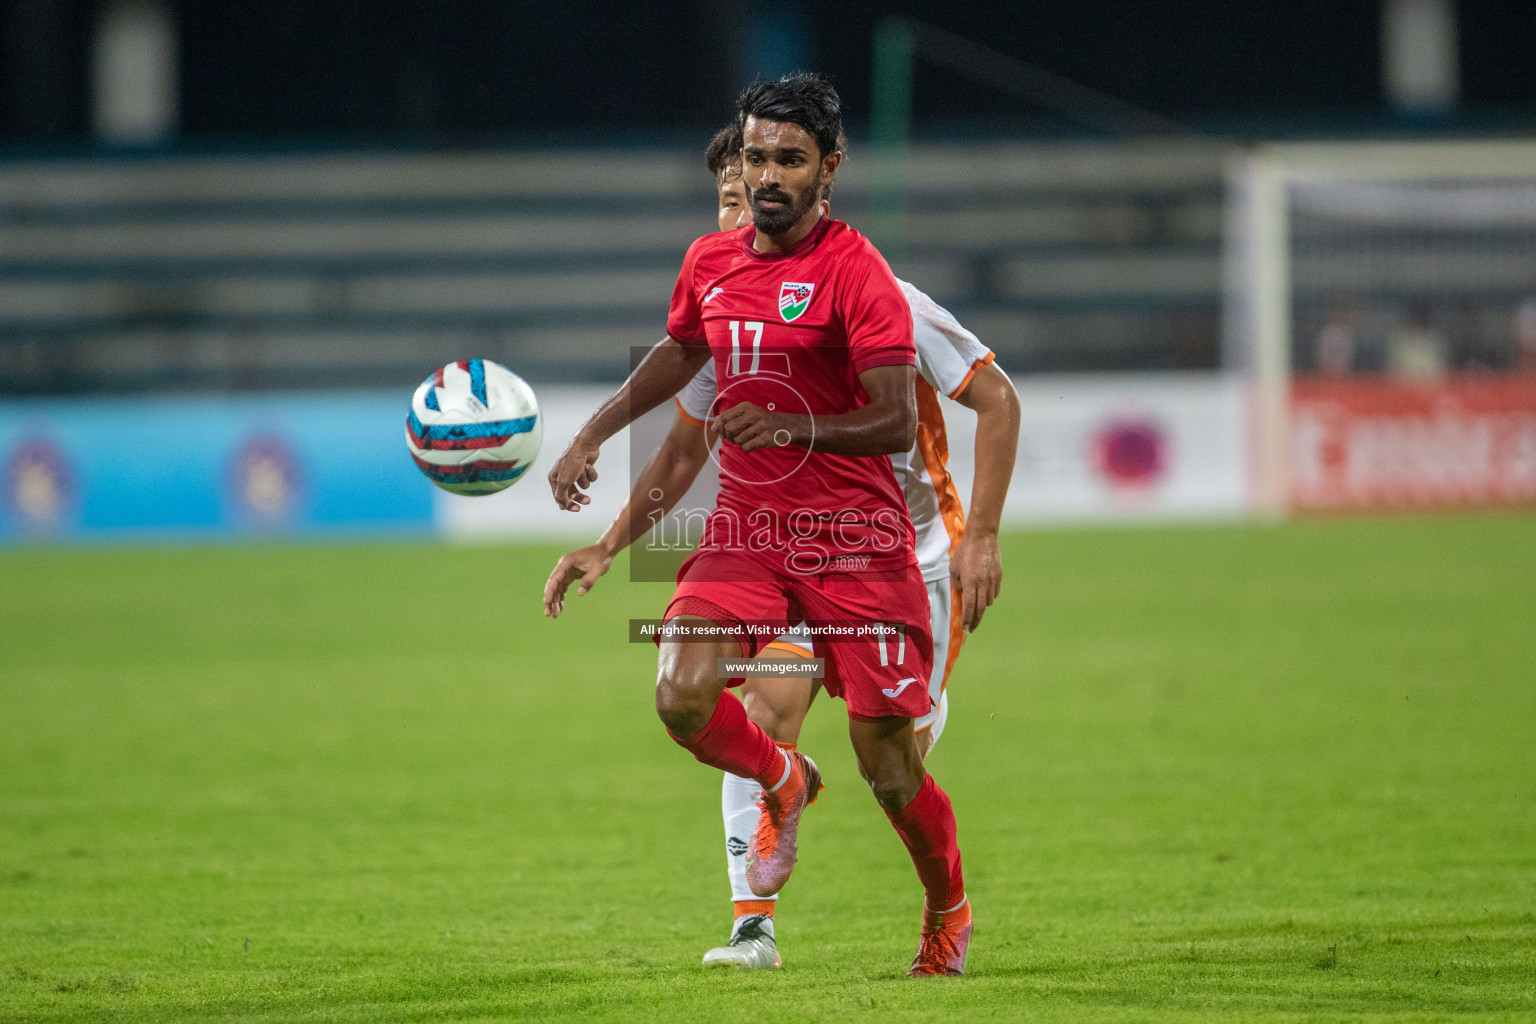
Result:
[
  {"x": 734, "y": 211},
  {"x": 784, "y": 174}
]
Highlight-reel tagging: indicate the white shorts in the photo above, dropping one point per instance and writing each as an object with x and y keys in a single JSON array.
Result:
[{"x": 946, "y": 646}]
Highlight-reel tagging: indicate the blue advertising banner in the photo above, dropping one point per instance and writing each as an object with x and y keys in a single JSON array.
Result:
[{"x": 126, "y": 469}]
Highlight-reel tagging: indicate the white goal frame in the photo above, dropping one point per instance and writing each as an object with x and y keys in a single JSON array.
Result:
[{"x": 1256, "y": 262}]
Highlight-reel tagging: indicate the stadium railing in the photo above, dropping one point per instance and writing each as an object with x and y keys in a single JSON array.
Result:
[{"x": 282, "y": 271}]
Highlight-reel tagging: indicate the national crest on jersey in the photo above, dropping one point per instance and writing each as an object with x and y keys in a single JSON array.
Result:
[{"x": 794, "y": 299}]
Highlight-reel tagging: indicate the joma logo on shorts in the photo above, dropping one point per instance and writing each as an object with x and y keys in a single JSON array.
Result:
[{"x": 848, "y": 563}]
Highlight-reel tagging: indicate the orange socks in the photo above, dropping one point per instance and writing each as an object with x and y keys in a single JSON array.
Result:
[{"x": 954, "y": 917}]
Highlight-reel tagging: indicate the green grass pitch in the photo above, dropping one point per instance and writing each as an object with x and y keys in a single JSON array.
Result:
[{"x": 1225, "y": 773}]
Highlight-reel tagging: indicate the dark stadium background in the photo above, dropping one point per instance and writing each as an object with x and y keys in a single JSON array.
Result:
[{"x": 477, "y": 71}]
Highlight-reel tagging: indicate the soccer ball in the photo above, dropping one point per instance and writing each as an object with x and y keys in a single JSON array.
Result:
[{"x": 474, "y": 427}]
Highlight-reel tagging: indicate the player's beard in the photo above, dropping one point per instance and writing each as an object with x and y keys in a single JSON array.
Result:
[{"x": 780, "y": 219}]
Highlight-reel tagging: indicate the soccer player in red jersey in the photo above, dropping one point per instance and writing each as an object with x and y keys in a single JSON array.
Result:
[
  {"x": 956, "y": 553},
  {"x": 812, "y": 343}
]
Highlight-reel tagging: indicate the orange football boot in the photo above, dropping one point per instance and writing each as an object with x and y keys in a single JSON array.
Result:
[
  {"x": 945, "y": 936},
  {"x": 775, "y": 846}
]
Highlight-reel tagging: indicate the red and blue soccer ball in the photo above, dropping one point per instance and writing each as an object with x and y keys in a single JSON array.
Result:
[{"x": 474, "y": 427}]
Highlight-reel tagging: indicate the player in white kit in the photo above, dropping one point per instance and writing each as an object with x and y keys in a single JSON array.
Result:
[{"x": 959, "y": 563}]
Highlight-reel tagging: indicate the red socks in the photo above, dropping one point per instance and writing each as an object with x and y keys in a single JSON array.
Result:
[
  {"x": 732, "y": 743},
  {"x": 927, "y": 826}
]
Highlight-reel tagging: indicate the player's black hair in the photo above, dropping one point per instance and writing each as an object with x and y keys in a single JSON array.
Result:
[
  {"x": 803, "y": 98},
  {"x": 842, "y": 147},
  {"x": 724, "y": 150}
]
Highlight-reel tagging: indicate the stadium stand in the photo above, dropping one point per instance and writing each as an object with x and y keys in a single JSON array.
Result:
[{"x": 242, "y": 271}]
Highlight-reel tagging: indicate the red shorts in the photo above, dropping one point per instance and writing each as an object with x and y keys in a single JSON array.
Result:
[{"x": 875, "y": 637}]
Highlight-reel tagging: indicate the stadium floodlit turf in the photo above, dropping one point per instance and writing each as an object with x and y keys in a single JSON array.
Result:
[{"x": 1239, "y": 774}]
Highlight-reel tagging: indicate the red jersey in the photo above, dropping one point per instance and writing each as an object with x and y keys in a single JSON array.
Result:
[{"x": 791, "y": 332}]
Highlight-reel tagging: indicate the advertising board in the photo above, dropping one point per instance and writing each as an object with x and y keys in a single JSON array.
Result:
[
  {"x": 133, "y": 469},
  {"x": 1384, "y": 444}
]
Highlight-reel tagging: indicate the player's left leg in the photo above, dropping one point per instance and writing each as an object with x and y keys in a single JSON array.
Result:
[
  {"x": 922, "y": 815},
  {"x": 882, "y": 676}
]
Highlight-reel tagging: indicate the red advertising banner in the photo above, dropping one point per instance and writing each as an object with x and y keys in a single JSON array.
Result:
[{"x": 1374, "y": 443}]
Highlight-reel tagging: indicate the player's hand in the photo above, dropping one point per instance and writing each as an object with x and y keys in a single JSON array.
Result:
[
  {"x": 977, "y": 572},
  {"x": 573, "y": 473},
  {"x": 752, "y": 427},
  {"x": 586, "y": 564}
]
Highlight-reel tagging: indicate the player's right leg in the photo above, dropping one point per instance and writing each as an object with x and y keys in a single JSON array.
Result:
[
  {"x": 713, "y": 726},
  {"x": 778, "y": 704},
  {"x": 716, "y": 589},
  {"x": 701, "y": 717}
]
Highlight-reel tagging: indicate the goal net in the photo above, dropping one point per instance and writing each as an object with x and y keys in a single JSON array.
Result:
[{"x": 1382, "y": 299}]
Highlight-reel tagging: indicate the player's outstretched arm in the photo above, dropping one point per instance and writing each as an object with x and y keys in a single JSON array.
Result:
[
  {"x": 661, "y": 374},
  {"x": 887, "y": 425},
  {"x": 667, "y": 475},
  {"x": 977, "y": 567}
]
